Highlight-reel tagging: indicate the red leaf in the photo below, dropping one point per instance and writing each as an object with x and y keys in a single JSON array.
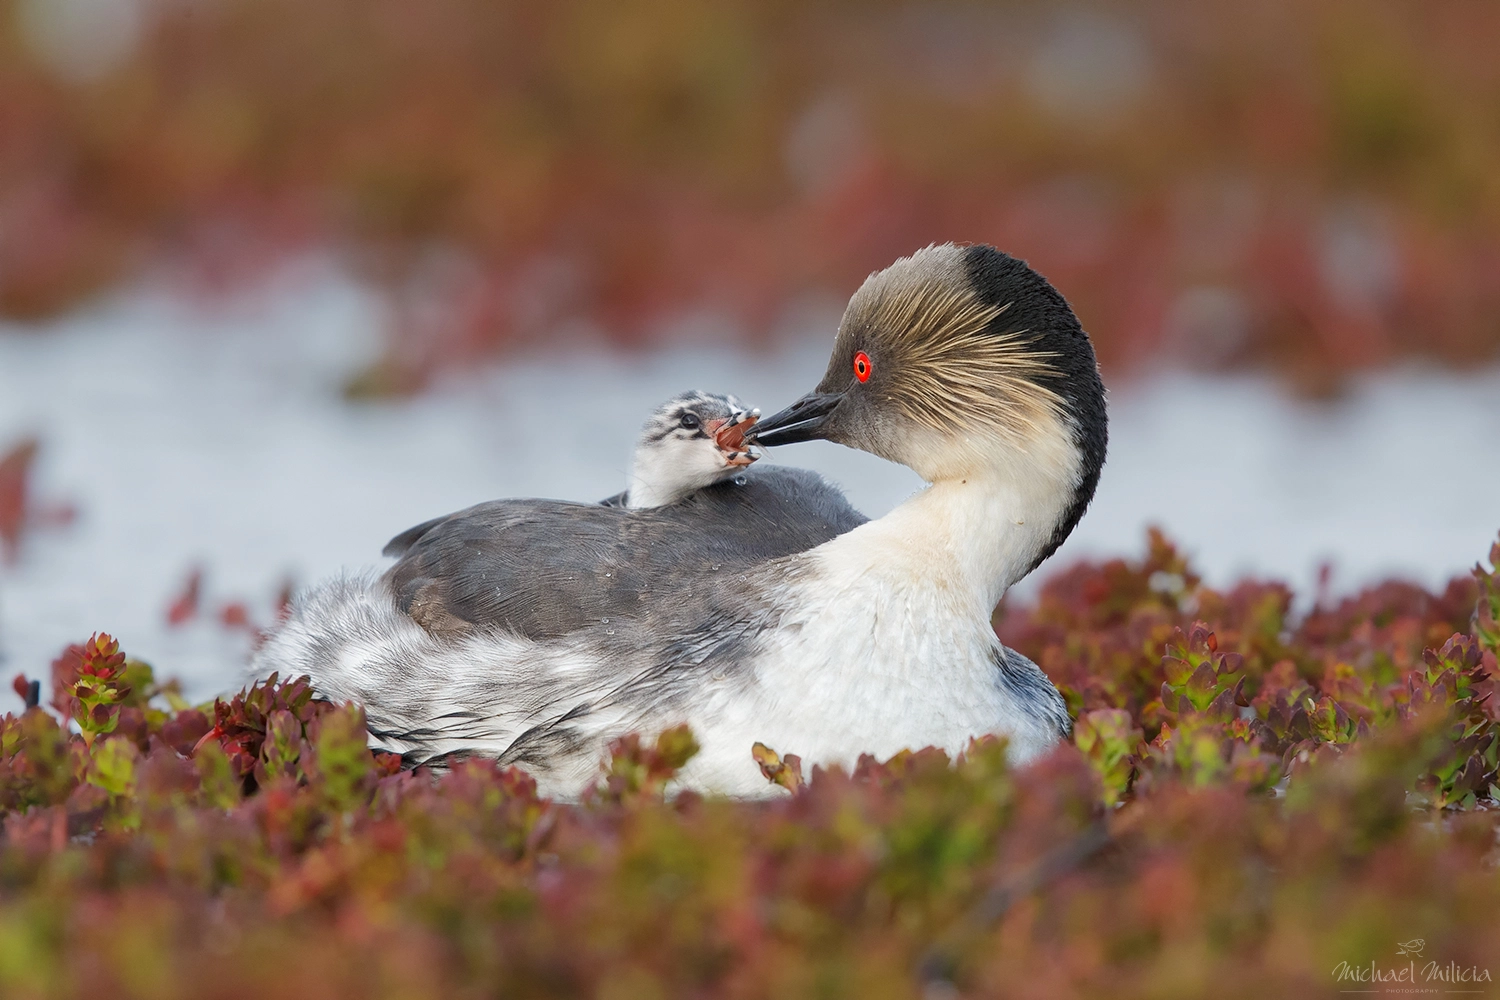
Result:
[
  {"x": 185, "y": 605},
  {"x": 235, "y": 615},
  {"x": 15, "y": 468},
  {"x": 102, "y": 657}
]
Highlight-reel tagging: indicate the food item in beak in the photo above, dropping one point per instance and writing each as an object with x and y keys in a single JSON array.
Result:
[{"x": 731, "y": 440}]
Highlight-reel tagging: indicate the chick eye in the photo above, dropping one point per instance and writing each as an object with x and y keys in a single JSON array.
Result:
[
  {"x": 862, "y": 366},
  {"x": 690, "y": 421}
]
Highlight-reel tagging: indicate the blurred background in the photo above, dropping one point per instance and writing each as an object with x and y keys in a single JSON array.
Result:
[{"x": 279, "y": 279}]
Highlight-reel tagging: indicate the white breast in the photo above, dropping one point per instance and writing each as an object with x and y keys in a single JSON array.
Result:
[{"x": 884, "y": 650}]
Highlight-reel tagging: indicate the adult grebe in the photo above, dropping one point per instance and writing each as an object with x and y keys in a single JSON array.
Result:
[{"x": 536, "y": 631}]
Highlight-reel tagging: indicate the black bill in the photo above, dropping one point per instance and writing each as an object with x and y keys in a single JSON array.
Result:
[{"x": 804, "y": 420}]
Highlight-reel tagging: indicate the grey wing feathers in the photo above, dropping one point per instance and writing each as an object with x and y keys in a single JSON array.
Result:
[
  {"x": 397, "y": 546},
  {"x": 544, "y": 568},
  {"x": 1031, "y": 687}
]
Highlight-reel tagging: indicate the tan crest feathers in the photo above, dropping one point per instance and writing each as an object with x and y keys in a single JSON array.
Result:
[{"x": 947, "y": 365}]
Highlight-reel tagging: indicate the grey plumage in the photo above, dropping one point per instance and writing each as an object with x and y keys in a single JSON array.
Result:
[
  {"x": 615, "y": 587},
  {"x": 1029, "y": 685},
  {"x": 544, "y": 568}
]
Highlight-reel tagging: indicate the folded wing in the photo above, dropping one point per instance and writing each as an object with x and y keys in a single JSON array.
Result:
[{"x": 546, "y": 568}]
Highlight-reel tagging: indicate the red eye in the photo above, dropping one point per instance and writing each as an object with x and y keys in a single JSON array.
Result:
[{"x": 862, "y": 366}]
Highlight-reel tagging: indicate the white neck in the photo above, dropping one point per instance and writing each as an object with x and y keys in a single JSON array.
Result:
[
  {"x": 665, "y": 471},
  {"x": 977, "y": 536},
  {"x": 642, "y": 493},
  {"x": 655, "y": 479},
  {"x": 975, "y": 531}
]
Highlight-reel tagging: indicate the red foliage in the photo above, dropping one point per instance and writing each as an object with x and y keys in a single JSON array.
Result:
[
  {"x": 1171, "y": 677},
  {"x": 185, "y": 605},
  {"x": 1250, "y": 802},
  {"x": 15, "y": 470},
  {"x": 1304, "y": 188},
  {"x": 235, "y": 615},
  {"x": 281, "y": 712},
  {"x": 65, "y": 673},
  {"x": 268, "y": 852}
]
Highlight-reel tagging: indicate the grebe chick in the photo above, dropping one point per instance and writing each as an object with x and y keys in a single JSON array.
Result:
[{"x": 693, "y": 440}]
